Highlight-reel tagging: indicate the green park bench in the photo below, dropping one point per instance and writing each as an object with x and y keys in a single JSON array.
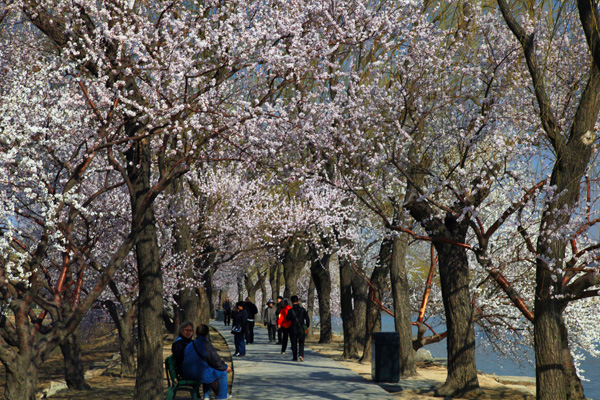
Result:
[{"x": 175, "y": 384}]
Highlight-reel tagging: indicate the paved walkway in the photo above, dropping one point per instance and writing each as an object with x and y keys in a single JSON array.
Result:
[{"x": 265, "y": 373}]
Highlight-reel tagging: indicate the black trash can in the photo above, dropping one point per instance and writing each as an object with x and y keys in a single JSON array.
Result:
[
  {"x": 220, "y": 315},
  {"x": 385, "y": 353}
]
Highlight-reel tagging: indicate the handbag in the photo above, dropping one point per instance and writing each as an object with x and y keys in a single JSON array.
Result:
[
  {"x": 236, "y": 329},
  {"x": 304, "y": 330}
]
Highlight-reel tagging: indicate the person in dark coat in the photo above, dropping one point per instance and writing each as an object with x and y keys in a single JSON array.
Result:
[
  {"x": 297, "y": 316},
  {"x": 270, "y": 320},
  {"x": 227, "y": 311},
  {"x": 202, "y": 363},
  {"x": 239, "y": 318},
  {"x": 252, "y": 310},
  {"x": 186, "y": 331},
  {"x": 278, "y": 308}
]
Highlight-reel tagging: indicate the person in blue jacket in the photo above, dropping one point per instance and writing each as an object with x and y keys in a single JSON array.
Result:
[{"x": 202, "y": 363}]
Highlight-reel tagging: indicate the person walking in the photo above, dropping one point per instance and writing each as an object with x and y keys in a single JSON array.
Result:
[
  {"x": 227, "y": 311},
  {"x": 278, "y": 308},
  {"x": 270, "y": 320},
  {"x": 298, "y": 317},
  {"x": 252, "y": 310},
  {"x": 284, "y": 324},
  {"x": 202, "y": 363},
  {"x": 239, "y": 319},
  {"x": 186, "y": 331}
]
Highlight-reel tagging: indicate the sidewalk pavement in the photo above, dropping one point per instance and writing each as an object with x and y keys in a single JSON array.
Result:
[{"x": 265, "y": 373}]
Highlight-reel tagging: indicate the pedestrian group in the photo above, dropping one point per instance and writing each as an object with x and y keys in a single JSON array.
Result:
[{"x": 198, "y": 360}]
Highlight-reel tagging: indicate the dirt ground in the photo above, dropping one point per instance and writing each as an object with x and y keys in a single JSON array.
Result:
[
  {"x": 103, "y": 374},
  {"x": 428, "y": 374}
]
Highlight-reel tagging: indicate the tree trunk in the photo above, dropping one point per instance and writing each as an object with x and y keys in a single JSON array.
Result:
[
  {"x": 280, "y": 279},
  {"x": 294, "y": 259},
  {"x": 359, "y": 296},
  {"x": 187, "y": 303},
  {"x": 353, "y": 293},
  {"x": 552, "y": 354},
  {"x": 124, "y": 323},
  {"x": 402, "y": 310},
  {"x": 149, "y": 377},
  {"x": 203, "y": 306},
  {"x": 348, "y": 318},
  {"x": 548, "y": 327},
  {"x": 21, "y": 379},
  {"x": 274, "y": 280},
  {"x": 186, "y": 307},
  {"x": 550, "y": 381},
  {"x": 319, "y": 270},
  {"x": 127, "y": 350},
  {"x": 71, "y": 351},
  {"x": 263, "y": 290},
  {"x": 573, "y": 383},
  {"x": 240, "y": 291},
  {"x": 310, "y": 306},
  {"x": 379, "y": 278},
  {"x": 208, "y": 291},
  {"x": 251, "y": 288},
  {"x": 454, "y": 276}
]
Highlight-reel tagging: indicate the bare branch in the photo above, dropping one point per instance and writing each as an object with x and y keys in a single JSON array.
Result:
[{"x": 549, "y": 122}]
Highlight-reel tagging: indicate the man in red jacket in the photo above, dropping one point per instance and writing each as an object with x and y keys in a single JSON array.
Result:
[
  {"x": 284, "y": 324},
  {"x": 278, "y": 308}
]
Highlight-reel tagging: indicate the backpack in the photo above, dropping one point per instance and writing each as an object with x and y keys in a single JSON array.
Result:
[{"x": 303, "y": 327}]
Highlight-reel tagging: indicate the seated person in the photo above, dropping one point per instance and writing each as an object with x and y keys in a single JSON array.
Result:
[
  {"x": 202, "y": 363},
  {"x": 186, "y": 330}
]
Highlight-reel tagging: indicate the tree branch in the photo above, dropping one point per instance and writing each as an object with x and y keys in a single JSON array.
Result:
[{"x": 549, "y": 123}]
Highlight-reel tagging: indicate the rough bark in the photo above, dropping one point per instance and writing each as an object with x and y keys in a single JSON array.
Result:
[
  {"x": 379, "y": 278},
  {"x": 353, "y": 293},
  {"x": 574, "y": 387},
  {"x": 252, "y": 288},
  {"x": 274, "y": 280},
  {"x": 310, "y": 305},
  {"x": 294, "y": 259},
  {"x": 447, "y": 235},
  {"x": 319, "y": 270},
  {"x": 573, "y": 149},
  {"x": 454, "y": 276},
  {"x": 124, "y": 322},
  {"x": 402, "y": 310},
  {"x": 360, "y": 290},
  {"x": 240, "y": 290},
  {"x": 186, "y": 307},
  {"x": 263, "y": 290},
  {"x": 187, "y": 303},
  {"x": 21, "y": 379},
  {"x": 553, "y": 381},
  {"x": 149, "y": 377},
  {"x": 204, "y": 305},
  {"x": 208, "y": 293},
  {"x": 351, "y": 347},
  {"x": 71, "y": 351},
  {"x": 554, "y": 375}
]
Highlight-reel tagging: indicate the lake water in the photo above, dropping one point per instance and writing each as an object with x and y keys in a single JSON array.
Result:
[{"x": 491, "y": 362}]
